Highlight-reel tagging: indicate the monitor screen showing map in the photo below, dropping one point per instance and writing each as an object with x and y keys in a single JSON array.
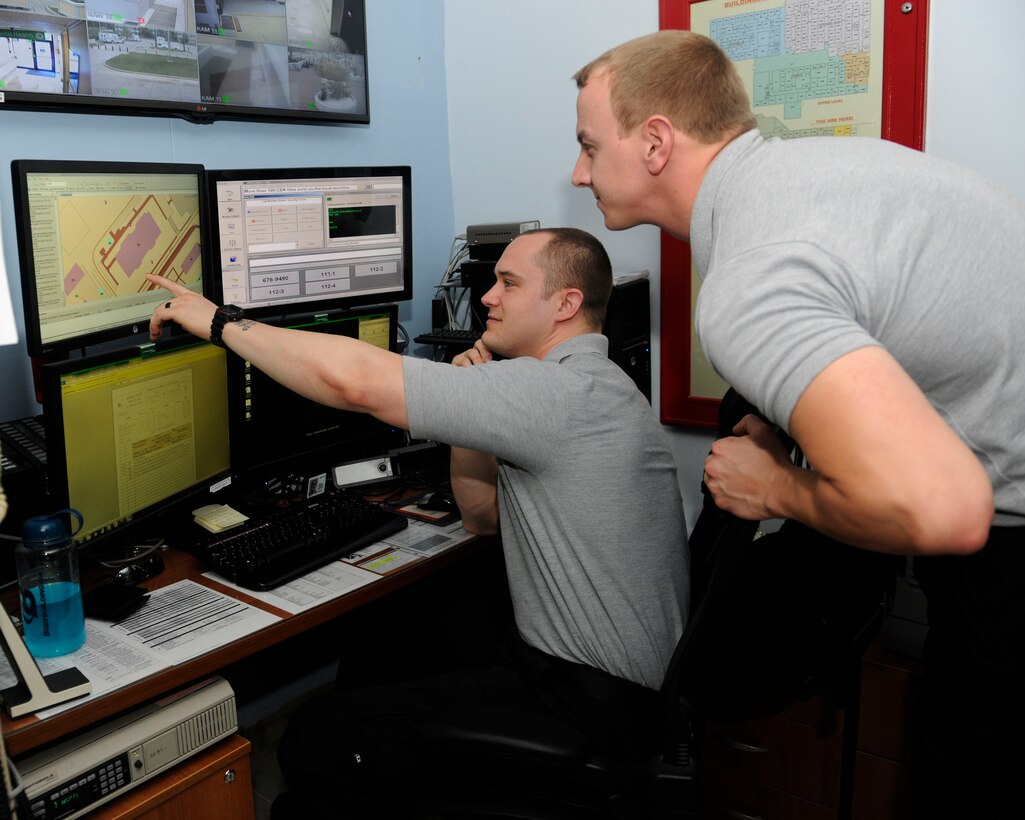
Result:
[{"x": 89, "y": 232}]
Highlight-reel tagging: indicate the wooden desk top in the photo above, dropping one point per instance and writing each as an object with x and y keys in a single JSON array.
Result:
[{"x": 27, "y": 733}]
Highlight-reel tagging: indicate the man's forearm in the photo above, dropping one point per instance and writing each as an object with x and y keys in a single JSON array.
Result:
[{"x": 475, "y": 487}]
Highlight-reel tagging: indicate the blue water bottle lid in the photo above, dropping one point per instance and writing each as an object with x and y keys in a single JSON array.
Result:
[{"x": 49, "y": 530}]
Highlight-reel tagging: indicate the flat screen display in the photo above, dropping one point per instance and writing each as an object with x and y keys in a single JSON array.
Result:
[
  {"x": 292, "y": 60},
  {"x": 294, "y": 240},
  {"x": 274, "y": 430},
  {"x": 131, "y": 432},
  {"x": 89, "y": 232}
]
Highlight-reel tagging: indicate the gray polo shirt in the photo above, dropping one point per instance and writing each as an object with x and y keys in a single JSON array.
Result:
[{"x": 591, "y": 517}]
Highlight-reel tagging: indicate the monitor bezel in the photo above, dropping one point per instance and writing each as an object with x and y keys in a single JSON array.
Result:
[
  {"x": 58, "y": 493},
  {"x": 348, "y": 300},
  {"x": 132, "y": 332},
  {"x": 250, "y": 472}
]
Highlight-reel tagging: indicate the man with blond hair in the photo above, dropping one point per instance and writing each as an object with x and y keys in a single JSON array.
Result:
[{"x": 866, "y": 298}]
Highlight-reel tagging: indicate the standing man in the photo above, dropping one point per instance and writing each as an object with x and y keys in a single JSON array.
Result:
[
  {"x": 869, "y": 300},
  {"x": 555, "y": 447}
]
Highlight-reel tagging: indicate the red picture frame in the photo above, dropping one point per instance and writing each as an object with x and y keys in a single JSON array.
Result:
[{"x": 906, "y": 27}]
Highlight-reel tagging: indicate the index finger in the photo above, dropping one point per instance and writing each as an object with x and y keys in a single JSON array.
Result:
[{"x": 175, "y": 287}]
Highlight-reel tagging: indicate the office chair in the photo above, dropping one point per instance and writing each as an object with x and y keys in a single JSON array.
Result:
[
  {"x": 539, "y": 769},
  {"x": 509, "y": 766}
]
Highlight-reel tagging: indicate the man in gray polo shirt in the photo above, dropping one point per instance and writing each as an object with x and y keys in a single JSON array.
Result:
[{"x": 554, "y": 446}]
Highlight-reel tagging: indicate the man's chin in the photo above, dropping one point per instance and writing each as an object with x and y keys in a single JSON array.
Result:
[{"x": 493, "y": 343}]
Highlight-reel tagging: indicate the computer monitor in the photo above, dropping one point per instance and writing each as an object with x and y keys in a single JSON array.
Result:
[
  {"x": 275, "y": 432},
  {"x": 131, "y": 433},
  {"x": 88, "y": 232},
  {"x": 296, "y": 240}
]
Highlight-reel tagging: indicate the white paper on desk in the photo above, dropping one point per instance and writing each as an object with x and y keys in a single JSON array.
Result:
[
  {"x": 428, "y": 539},
  {"x": 185, "y": 620},
  {"x": 105, "y": 659},
  {"x": 177, "y": 623},
  {"x": 320, "y": 586}
]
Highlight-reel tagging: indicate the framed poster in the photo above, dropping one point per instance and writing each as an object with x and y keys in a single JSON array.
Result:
[{"x": 812, "y": 67}]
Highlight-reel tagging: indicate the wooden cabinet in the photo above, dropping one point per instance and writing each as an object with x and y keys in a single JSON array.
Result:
[
  {"x": 882, "y": 773},
  {"x": 784, "y": 766},
  {"x": 217, "y": 782},
  {"x": 799, "y": 765}
]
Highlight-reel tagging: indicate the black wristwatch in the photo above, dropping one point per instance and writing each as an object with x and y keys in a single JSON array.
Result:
[{"x": 223, "y": 315}]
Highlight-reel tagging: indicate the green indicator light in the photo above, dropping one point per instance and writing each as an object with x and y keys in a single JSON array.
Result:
[
  {"x": 122, "y": 92},
  {"x": 221, "y": 31},
  {"x": 225, "y": 99},
  {"x": 309, "y": 44},
  {"x": 118, "y": 18},
  {"x": 311, "y": 105}
]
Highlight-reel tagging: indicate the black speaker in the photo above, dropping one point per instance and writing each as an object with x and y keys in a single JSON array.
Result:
[{"x": 628, "y": 328}]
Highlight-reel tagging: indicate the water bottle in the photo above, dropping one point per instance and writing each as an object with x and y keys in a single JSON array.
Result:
[{"x": 51, "y": 599}]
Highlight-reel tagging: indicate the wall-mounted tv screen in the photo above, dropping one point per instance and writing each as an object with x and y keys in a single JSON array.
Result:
[
  {"x": 289, "y": 60},
  {"x": 89, "y": 232},
  {"x": 287, "y": 241}
]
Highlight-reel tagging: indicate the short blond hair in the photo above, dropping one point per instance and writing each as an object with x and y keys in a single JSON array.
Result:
[{"x": 683, "y": 76}]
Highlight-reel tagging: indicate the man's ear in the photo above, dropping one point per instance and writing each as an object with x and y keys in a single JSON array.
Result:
[
  {"x": 570, "y": 302},
  {"x": 659, "y": 137}
]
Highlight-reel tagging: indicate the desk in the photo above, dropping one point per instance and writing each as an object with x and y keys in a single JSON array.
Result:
[{"x": 28, "y": 733}]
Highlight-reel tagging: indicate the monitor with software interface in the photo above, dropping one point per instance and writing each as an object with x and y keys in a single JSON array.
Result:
[
  {"x": 131, "y": 433},
  {"x": 289, "y": 241},
  {"x": 88, "y": 232}
]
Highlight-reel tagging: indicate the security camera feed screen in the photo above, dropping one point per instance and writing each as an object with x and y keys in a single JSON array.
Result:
[{"x": 293, "y": 59}]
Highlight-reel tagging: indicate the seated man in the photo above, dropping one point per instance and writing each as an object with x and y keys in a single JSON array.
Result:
[{"x": 554, "y": 447}]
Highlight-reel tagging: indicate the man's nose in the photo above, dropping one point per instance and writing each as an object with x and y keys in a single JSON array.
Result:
[{"x": 581, "y": 175}]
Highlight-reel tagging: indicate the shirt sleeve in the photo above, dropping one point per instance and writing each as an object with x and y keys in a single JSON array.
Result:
[
  {"x": 514, "y": 409},
  {"x": 774, "y": 317}
]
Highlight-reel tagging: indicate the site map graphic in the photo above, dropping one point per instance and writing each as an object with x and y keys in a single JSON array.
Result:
[
  {"x": 811, "y": 67},
  {"x": 110, "y": 242}
]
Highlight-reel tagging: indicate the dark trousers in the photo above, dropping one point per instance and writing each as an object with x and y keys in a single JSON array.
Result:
[
  {"x": 357, "y": 753},
  {"x": 969, "y": 756}
]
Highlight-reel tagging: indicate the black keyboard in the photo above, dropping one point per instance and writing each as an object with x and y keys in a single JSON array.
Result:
[
  {"x": 445, "y": 336},
  {"x": 293, "y": 541}
]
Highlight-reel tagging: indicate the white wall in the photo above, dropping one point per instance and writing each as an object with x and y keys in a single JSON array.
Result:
[
  {"x": 512, "y": 126},
  {"x": 974, "y": 114}
]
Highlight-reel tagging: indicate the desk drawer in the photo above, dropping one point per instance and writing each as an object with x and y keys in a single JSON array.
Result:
[
  {"x": 731, "y": 797},
  {"x": 779, "y": 753}
]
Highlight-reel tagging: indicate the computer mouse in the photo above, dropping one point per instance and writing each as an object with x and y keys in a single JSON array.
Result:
[{"x": 440, "y": 501}]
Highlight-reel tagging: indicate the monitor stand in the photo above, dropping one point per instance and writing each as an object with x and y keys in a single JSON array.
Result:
[{"x": 34, "y": 690}]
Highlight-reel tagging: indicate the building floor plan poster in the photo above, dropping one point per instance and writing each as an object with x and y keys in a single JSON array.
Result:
[{"x": 811, "y": 67}]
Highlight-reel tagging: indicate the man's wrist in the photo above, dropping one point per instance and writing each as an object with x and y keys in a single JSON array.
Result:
[{"x": 224, "y": 315}]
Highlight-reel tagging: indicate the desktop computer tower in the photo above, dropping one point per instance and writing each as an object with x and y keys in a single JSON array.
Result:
[{"x": 628, "y": 328}]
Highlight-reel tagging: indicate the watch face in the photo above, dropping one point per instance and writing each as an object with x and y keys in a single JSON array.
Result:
[{"x": 231, "y": 312}]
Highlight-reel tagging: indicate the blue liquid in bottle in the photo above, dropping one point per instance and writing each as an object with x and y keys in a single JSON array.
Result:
[{"x": 52, "y": 619}]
